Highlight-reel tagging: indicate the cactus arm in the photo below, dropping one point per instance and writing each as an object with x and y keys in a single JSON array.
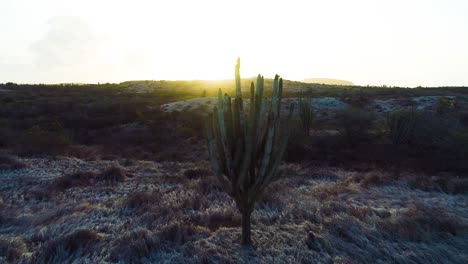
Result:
[
  {"x": 238, "y": 80},
  {"x": 224, "y": 139},
  {"x": 212, "y": 152}
]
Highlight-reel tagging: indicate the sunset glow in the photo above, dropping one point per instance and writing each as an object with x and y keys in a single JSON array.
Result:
[{"x": 404, "y": 43}]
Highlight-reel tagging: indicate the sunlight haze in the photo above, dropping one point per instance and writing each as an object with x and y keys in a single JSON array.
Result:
[{"x": 397, "y": 43}]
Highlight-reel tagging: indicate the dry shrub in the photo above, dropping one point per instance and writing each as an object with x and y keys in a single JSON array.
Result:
[
  {"x": 324, "y": 192},
  {"x": 12, "y": 248},
  {"x": 373, "y": 178},
  {"x": 9, "y": 162},
  {"x": 423, "y": 223},
  {"x": 69, "y": 248},
  {"x": 179, "y": 233},
  {"x": 143, "y": 201},
  {"x": 218, "y": 217},
  {"x": 360, "y": 212},
  {"x": 135, "y": 246},
  {"x": 198, "y": 202},
  {"x": 112, "y": 175},
  {"x": 83, "y": 151},
  {"x": 207, "y": 185},
  {"x": 77, "y": 179}
]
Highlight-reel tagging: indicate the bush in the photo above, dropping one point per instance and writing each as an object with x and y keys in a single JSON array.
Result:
[
  {"x": 69, "y": 248},
  {"x": 12, "y": 248},
  {"x": 434, "y": 130},
  {"x": 355, "y": 124},
  {"x": 135, "y": 246},
  {"x": 41, "y": 140},
  {"x": 142, "y": 200},
  {"x": 446, "y": 106},
  {"x": 77, "y": 179},
  {"x": 112, "y": 175},
  {"x": 400, "y": 125}
]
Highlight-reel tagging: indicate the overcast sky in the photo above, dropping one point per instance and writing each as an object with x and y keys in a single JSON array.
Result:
[{"x": 391, "y": 42}]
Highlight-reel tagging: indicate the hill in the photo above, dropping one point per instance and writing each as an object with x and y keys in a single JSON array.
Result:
[{"x": 327, "y": 81}]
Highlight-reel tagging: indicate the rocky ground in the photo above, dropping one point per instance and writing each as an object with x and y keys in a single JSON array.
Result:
[{"x": 67, "y": 210}]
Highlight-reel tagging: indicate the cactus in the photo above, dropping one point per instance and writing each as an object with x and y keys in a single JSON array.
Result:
[
  {"x": 400, "y": 125},
  {"x": 306, "y": 115},
  {"x": 246, "y": 149}
]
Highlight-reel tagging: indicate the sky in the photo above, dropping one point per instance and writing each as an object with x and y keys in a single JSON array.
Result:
[{"x": 405, "y": 43}]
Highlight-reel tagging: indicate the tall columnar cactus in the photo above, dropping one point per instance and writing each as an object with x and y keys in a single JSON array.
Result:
[
  {"x": 246, "y": 149},
  {"x": 306, "y": 114}
]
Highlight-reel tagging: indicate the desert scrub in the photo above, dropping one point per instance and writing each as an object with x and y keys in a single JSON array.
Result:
[
  {"x": 400, "y": 125},
  {"x": 112, "y": 175},
  {"x": 354, "y": 124},
  {"x": 76, "y": 179},
  {"x": 70, "y": 248},
  {"x": 11, "y": 249}
]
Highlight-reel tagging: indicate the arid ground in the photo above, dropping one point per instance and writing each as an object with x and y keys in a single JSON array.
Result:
[{"x": 106, "y": 174}]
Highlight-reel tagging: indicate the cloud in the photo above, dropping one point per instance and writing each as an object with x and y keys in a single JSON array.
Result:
[
  {"x": 68, "y": 41},
  {"x": 72, "y": 50}
]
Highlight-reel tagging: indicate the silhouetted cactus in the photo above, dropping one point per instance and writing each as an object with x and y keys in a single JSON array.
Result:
[
  {"x": 246, "y": 149},
  {"x": 400, "y": 125},
  {"x": 306, "y": 115}
]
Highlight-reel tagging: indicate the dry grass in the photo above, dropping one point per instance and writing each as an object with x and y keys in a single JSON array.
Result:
[{"x": 175, "y": 213}]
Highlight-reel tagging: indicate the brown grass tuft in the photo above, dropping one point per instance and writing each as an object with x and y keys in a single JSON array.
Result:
[
  {"x": 112, "y": 175},
  {"x": 12, "y": 248},
  {"x": 68, "y": 247},
  {"x": 77, "y": 179}
]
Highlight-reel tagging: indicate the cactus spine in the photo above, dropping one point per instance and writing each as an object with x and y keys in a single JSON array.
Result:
[{"x": 246, "y": 149}]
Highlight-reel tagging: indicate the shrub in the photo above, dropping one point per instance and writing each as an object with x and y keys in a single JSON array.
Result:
[
  {"x": 77, "y": 179},
  {"x": 133, "y": 247},
  {"x": 306, "y": 114},
  {"x": 400, "y": 125},
  {"x": 434, "y": 130},
  {"x": 446, "y": 106},
  {"x": 355, "y": 124},
  {"x": 180, "y": 233},
  {"x": 42, "y": 140},
  {"x": 12, "y": 248},
  {"x": 112, "y": 175},
  {"x": 69, "y": 248},
  {"x": 142, "y": 200}
]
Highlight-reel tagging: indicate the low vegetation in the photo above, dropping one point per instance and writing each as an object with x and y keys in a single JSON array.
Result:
[{"x": 102, "y": 174}]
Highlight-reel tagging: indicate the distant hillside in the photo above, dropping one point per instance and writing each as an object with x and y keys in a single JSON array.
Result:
[{"x": 327, "y": 81}]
